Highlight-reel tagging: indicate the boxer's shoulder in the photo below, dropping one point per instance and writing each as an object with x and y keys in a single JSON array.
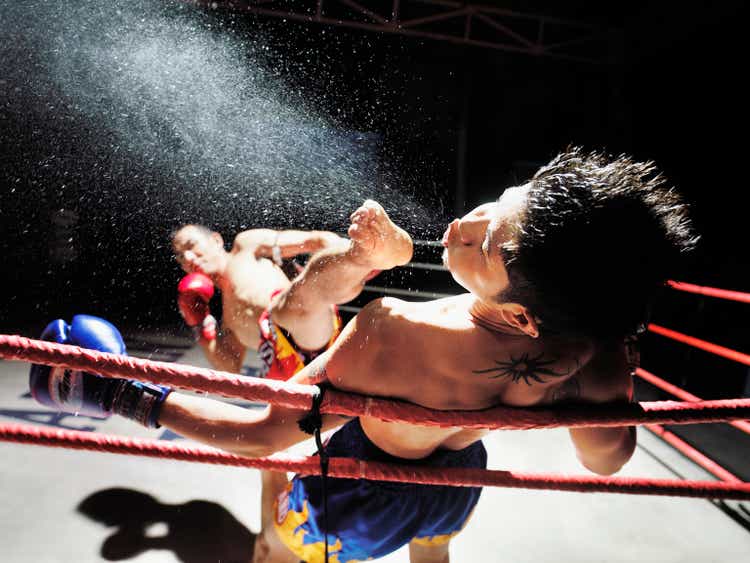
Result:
[
  {"x": 384, "y": 318},
  {"x": 398, "y": 311},
  {"x": 248, "y": 241},
  {"x": 606, "y": 376}
]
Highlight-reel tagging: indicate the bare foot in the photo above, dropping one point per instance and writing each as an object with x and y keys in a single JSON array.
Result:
[{"x": 376, "y": 240}]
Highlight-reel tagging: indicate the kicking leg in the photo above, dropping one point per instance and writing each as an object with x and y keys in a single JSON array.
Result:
[{"x": 338, "y": 276}]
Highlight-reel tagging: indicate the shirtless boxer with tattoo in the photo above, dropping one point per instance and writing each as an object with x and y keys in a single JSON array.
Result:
[{"x": 559, "y": 271}]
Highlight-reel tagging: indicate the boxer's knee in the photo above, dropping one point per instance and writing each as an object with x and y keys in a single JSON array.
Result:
[
  {"x": 270, "y": 549},
  {"x": 311, "y": 324}
]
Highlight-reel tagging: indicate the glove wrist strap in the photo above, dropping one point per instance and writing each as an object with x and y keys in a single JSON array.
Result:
[{"x": 139, "y": 401}]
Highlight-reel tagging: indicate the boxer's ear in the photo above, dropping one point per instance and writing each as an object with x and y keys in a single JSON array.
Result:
[{"x": 520, "y": 317}]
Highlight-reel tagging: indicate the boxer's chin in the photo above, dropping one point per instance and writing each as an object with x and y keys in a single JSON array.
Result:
[
  {"x": 372, "y": 274},
  {"x": 456, "y": 275}
]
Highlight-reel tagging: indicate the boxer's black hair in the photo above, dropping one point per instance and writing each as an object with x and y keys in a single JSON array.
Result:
[
  {"x": 599, "y": 236},
  {"x": 202, "y": 228}
]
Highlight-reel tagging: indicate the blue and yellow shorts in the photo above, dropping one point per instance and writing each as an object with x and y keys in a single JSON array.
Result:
[{"x": 369, "y": 519}]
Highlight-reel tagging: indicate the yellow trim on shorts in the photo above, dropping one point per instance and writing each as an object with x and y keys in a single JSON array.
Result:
[
  {"x": 442, "y": 539},
  {"x": 434, "y": 541},
  {"x": 293, "y": 537}
]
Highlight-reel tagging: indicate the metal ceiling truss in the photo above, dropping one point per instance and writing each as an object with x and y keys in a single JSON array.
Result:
[{"x": 444, "y": 20}]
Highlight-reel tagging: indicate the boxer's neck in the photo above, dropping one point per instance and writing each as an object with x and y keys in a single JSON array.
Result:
[{"x": 219, "y": 277}]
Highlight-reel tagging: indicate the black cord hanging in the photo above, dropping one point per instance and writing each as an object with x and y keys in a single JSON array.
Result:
[{"x": 312, "y": 423}]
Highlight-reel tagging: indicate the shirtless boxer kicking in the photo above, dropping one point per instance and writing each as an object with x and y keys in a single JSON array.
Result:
[
  {"x": 288, "y": 322},
  {"x": 559, "y": 272}
]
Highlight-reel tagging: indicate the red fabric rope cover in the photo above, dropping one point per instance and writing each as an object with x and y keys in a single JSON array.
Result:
[
  {"x": 164, "y": 373},
  {"x": 693, "y": 454},
  {"x": 682, "y": 394},
  {"x": 710, "y": 291},
  {"x": 710, "y": 347},
  {"x": 356, "y": 469},
  {"x": 337, "y": 402}
]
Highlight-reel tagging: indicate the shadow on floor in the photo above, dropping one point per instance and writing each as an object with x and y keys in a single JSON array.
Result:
[
  {"x": 197, "y": 531},
  {"x": 43, "y": 415}
]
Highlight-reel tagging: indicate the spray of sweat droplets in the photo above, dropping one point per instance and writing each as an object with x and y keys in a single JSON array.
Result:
[
  {"x": 185, "y": 101},
  {"x": 126, "y": 118}
]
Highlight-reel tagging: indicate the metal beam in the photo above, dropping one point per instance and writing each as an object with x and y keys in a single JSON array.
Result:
[{"x": 454, "y": 24}]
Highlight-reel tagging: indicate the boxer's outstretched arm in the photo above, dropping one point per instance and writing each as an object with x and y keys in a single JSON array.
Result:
[
  {"x": 289, "y": 243},
  {"x": 225, "y": 352},
  {"x": 604, "y": 450},
  {"x": 245, "y": 432},
  {"x": 607, "y": 378},
  {"x": 253, "y": 433}
]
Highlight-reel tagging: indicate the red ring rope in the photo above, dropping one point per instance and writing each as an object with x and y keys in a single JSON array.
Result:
[
  {"x": 701, "y": 344},
  {"x": 358, "y": 469},
  {"x": 694, "y": 455},
  {"x": 338, "y": 402},
  {"x": 683, "y": 395},
  {"x": 710, "y": 291}
]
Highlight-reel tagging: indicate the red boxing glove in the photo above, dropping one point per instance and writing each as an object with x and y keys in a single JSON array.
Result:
[{"x": 193, "y": 295}]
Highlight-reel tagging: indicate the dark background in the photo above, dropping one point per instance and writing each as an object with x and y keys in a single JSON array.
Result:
[{"x": 670, "y": 90}]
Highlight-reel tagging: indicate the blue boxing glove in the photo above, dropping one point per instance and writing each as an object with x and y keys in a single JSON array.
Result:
[{"x": 80, "y": 392}]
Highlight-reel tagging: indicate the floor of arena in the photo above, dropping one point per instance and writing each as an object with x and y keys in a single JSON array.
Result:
[{"x": 64, "y": 505}]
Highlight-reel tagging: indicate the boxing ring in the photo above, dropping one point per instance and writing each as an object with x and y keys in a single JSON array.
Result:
[{"x": 716, "y": 483}]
